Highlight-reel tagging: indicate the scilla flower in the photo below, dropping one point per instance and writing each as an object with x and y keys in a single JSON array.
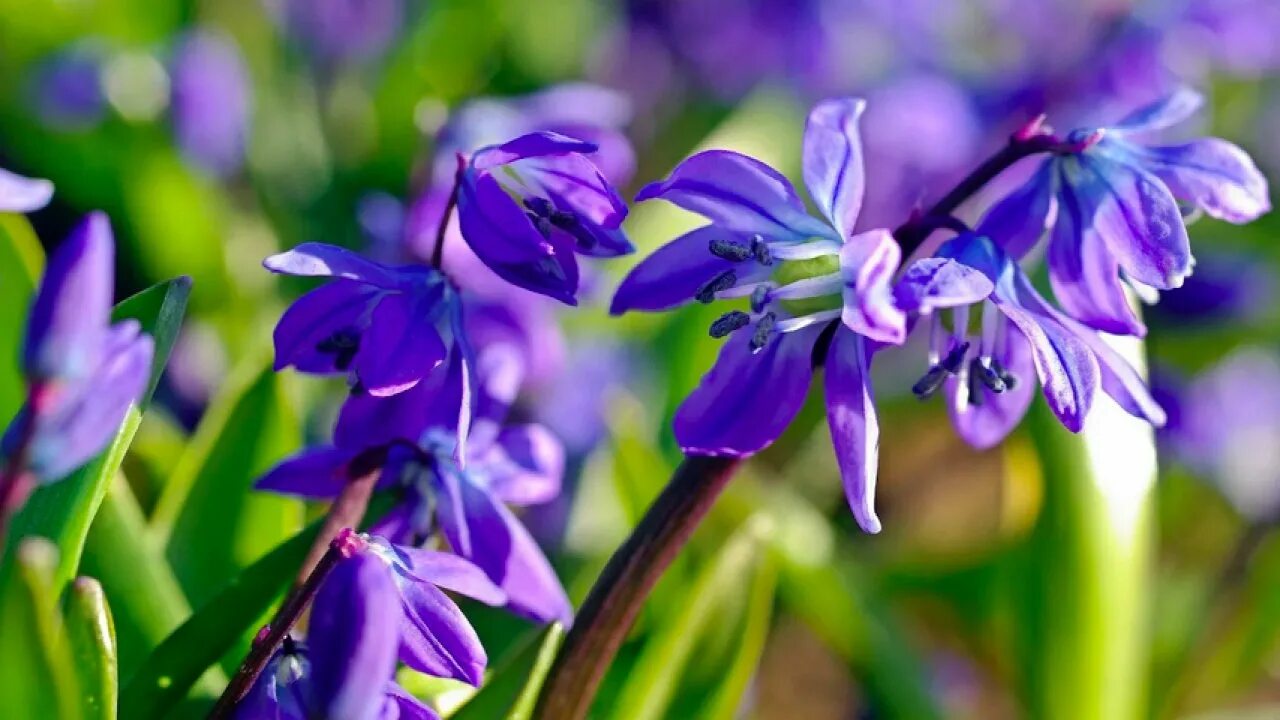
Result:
[
  {"x": 375, "y": 323},
  {"x": 83, "y": 372},
  {"x": 528, "y": 206},
  {"x": 20, "y": 194},
  {"x": 1113, "y": 203},
  {"x": 804, "y": 279}
]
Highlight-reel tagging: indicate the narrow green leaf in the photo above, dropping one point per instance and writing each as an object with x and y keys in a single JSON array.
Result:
[
  {"x": 39, "y": 679},
  {"x": 509, "y": 693},
  {"x": 748, "y": 645},
  {"x": 21, "y": 261},
  {"x": 668, "y": 655},
  {"x": 63, "y": 511},
  {"x": 212, "y": 522},
  {"x": 93, "y": 645}
]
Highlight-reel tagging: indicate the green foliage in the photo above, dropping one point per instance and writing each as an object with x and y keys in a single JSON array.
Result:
[
  {"x": 92, "y": 637},
  {"x": 511, "y": 690},
  {"x": 39, "y": 679},
  {"x": 21, "y": 261}
]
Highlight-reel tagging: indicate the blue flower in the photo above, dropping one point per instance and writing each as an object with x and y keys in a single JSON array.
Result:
[
  {"x": 20, "y": 194},
  {"x": 211, "y": 96},
  {"x": 1112, "y": 203},
  {"x": 528, "y": 206},
  {"x": 376, "y": 323},
  {"x": 83, "y": 372}
]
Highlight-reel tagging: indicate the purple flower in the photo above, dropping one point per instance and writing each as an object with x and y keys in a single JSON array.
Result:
[
  {"x": 986, "y": 377},
  {"x": 527, "y": 206},
  {"x": 1113, "y": 209},
  {"x": 339, "y": 31},
  {"x": 374, "y": 322},
  {"x": 801, "y": 276},
  {"x": 210, "y": 101},
  {"x": 20, "y": 194},
  {"x": 83, "y": 371},
  {"x": 456, "y": 489},
  {"x": 380, "y": 604},
  {"x": 68, "y": 90}
]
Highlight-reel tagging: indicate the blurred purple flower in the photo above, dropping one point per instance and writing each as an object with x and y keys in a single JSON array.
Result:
[
  {"x": 83, "y": 372},
  {"x": 1226, "y": 287},
  {"x": 451, "y": 485},
  {"x": 374, "y": 322},
  {"x": 1229, "y": 417},
  {"x": 211, "y": 98},
  {"x": 20, "y": 194},
  {"x": 528, "y": 206},
  {"x": 1114, "y": 212},
  {"x": 339, "y": 31},
  {"x": 68, "y": 91}
]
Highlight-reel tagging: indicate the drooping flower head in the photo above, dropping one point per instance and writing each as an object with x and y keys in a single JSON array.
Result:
[
  {"x": 83, "y": 372},
  {"x": 1113, "y": 205},
  {"x": 375, "y": 323},
  {"x": 529, "y": 206},
  {"x": 456, "y": 488}
]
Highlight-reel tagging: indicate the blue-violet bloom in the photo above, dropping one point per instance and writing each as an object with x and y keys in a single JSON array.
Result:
[{"x": 20, "y": 194}]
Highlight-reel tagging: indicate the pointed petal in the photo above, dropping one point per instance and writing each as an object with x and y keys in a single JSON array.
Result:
[
  {"x": 353, "y": 639},
  {"x": 1214, "y": 175},
  {"x": 1139, "y": 221},
  {"x": 1018, "y": 221},
  {"x": 987, "y": 422},
  {"x": 400, "y": 346},
  {"x": 314, "y": 473},
  {"x": 674, "y": 274},
  {"x": 315, "y": 319},
  {"x": 320, "y": 260},
  {"x": 1121, "y": 380},
  {"x": 367, "y": 421},
  {"x": 408, "y": 706},
  {"x": 867, "y": 263},
  {"x": 573, "y": 182},
  {"x": 737, "y": 193},
  {"x": 1163, "y": 113},
  {"x": 436, "y": 638},
  {"x": 535, "y": 144},
  {"x": 1084, "y": 274},
  {"x": 936, "y": 283},
  {"x": 747, "y": 399},
  {"x": 855, "y": 429},
  {"x": 452, "y": 573},
  {"x": 20, "y": 194},
  {"x": 833, "y": 169},
  {"x": 69, "y": 317},
  {"x": 525, "y": 466}
]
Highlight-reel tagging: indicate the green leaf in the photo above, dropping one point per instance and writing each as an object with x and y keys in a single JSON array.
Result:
[
  {"x": 509, "y": 693},
  {"x": 167, "y": 675},
  {"x": 747, "y": 648},
  {"x": 712, "y": 610},
  {"x": 39, "y": 679},
  {"x": 64, "y": 510},
  {"x": 21, "y": 261},
  {"x": 93, "y": 645},
  {"x": 213, "y": 524}
]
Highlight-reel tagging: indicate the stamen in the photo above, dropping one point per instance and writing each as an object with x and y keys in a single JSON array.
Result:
[
  {"x": 985, "y": 375},
  {"x": 936, "y": 339},
  {"x": 540, "y": 206},
  {"x": 811, "y": 287},
  {"x": 926, "y": 386},
  {"x": 1009, "y": 379},
  {"x": 759, "y": 298},
  {"x": 955, "y": 359},
  {"x": 764, "y": 330},
  {"x": 760, "y": 249},
  {"x": 960, "y": 323},
  {"x": 728, "y": 323},
  {"x": 729, "y": 250},
  {"x": 723, "y": 281},
  {"x": 991, "y": 317},
  {"x": 541, "y": 224},
  {"x": 974, "y": 386},
  {"x": 343, "y": 345}
]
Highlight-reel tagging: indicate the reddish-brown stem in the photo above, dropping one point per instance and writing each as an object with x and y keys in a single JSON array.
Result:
[
  {"x": 346, "y": 511},
  {"x": 618, "y": 594},
  {"x": 437, "y": 252},
  {"x": 16, "y": 481}
]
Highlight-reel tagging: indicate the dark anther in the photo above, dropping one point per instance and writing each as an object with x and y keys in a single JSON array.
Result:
[
  {"x": 759, "y": 298},
  {"x": 760, "y": 249},
  {"x": 342, "y": 345},
  {"x": 729, "y": 322},
  {"x": 729, "y": 250},
  {"x": 542, "y": 224},
  {"x": 955, "y": 359},
  {"x": 975, "y": 386},
  {"x": 1009, "y": 379},
  {"x": 987, "y": 376},
  {"x": 723, "y": 281},
  {"x": 540, "y": 206},
  {"x": 763, "y": 331},
  {"x": 926, "y": 386},
  {"x": 288, "y": 646}
]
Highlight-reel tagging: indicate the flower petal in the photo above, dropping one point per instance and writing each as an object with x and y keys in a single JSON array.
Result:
[
  {"x": 1214, "y": 175},
  {"x": 313, "y": 473},
  {"x": 68, "y": 323},
  {"x": 936, "y": 283},
  {"x": 20, "y": 194},
  {"x": 367, "y": 421},
  {"x": 738, "y": 193},
  {"x": 747, "y": 399},
  {"x": 833, "y": 166},
  {"x": 1163, "y": 113},
  {"x": 453, "y": 573},
  {"x": 542, "y": 143},
  {"x": 985, "y": 423},
  {"x": 407, "y": 706},
  {"x": 1120, "y": 380},
  {"x": 1019, "y": 220},
  {"x": 574, "y": 183},
  {"x": 855, "y": 429},
  {"x": 400, "y": 346},
  {"x": 335, "y": 309},
  {"x": 526, "y": 465},
  {"x": 435, "y": 637},
  {"x": 674, "y": 274},
  {"x": 867, "y": 263},
  {"x": 320, "y": 260},
  {"x": 353, "y": 639}
]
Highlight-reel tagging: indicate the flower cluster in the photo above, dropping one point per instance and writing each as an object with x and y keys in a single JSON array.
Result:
[{"x": 821, "y": 292}]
